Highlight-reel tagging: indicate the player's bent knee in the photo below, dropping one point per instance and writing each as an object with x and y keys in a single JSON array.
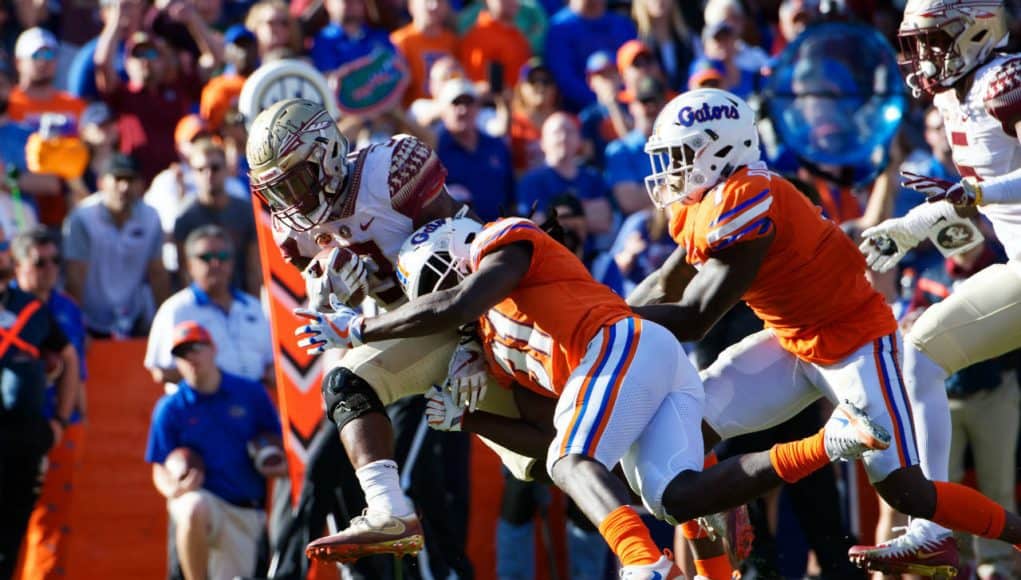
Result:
[
  {"x": 190, "y": 509},
  {"x": 348, "y": 397},
  {"x": 679, "y": 499}
]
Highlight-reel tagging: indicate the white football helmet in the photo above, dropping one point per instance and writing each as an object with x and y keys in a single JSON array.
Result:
[
  {"x": 943, "y": 40},
  {"x": 434, "y": 253},
  {"x": 298, "y": 162},
  {"x": 699, "y": 139}
]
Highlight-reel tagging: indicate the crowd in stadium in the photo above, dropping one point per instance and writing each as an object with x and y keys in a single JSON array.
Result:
[{"x": 126, "y": 211}]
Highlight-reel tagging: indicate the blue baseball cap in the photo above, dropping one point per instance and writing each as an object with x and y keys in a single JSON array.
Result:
[{"x": 237, "y": 33}]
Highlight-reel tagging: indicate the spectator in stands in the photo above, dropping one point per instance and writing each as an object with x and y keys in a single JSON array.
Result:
[
  {"x": 529, "y": 18},
  {"x": 795, "y": 16},
  {"x": 347, "y": 37},
  {"x": 191, "y": 41},
  {"x": 150, "y": 104},
  {"x": 495, "y": 39},
  {"x": 99, "y": 132},
  {"x": 233, "y": 318},
  {"x": 276, "y": 31},
  {"x": 984, "y": 401},
  {"x": 627, "y": 164},
  {"x": 427, "y": 110},
  {"x": 563, "y": 173},
  {"x": 661, "y": 26},
  {"x": 112, "y": 247},
  {"x": 36, "y": 60},
  {"x": 424, "y": 41},
  {"x": 578, "y": 30},
  {"x": 128, "y": 17},
  {"x": 535, "y": 99},
  {"x": 219, "y": 512},
  {"x": 16, "y": 180},
  {"x": 220, "y": 95},
  {"x": 636, "y": 61},
  {"x": 738, "y": 62},
  {"x": 643, "y": 243},
  {"x": 606, "y": 119},
  {"x": 37, "y": 271},
  {"x": 478, "y": 166},
  {"x": 25, "y": 433},
  {"x": 214, "y": 206}
]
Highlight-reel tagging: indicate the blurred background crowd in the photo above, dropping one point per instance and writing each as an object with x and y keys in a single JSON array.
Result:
[{"x": 123, "y": 187}]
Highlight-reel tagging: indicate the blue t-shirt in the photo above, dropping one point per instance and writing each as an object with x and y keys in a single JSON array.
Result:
[
  {"x": 13, "y": 138},
  {"x": 218, "y": 427},
  {"x": 649, "y": 260},
  {"x": 333, "y": 47},
  {"x": 483, "y": 177},
  {"x": 571, "y": 39},
  {"x": 542, "y": 184},
  {"x": 626, "y": 159}
]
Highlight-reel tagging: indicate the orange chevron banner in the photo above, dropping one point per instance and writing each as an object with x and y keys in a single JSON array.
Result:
[{"x": 297, "y": 374}]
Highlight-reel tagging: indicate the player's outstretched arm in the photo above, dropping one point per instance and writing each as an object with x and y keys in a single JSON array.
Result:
[
  {"x": 498, "y": 275},
  {"x": 715, "y": 289},
  {"x": 666, "y": 284}
]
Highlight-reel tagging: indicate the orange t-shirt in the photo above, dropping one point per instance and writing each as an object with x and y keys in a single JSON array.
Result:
[
  {"x": 420, "y": 52},
  {"x": 811, "y": 288},
  {"x": 491, "y": 40},
  {"x": 539, "y": 334},
  {"x": 25, "y": 110}
]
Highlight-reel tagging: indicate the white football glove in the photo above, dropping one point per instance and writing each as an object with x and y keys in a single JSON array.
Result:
[
  {"x": 884, "y": 245},
  {"x": 344, "y": 283},
  {"x": 466, "y": 374},
  {"x": 441, "y": 412},
  {"x": 341, "y": 328}
]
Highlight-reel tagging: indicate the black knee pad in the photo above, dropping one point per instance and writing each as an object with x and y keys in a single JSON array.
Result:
[{"x": 347, "y": 397}]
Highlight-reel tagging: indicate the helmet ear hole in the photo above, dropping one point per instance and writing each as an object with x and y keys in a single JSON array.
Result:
[
  {"x": 469, "y": 238},
  {"x": 978, "y": 37}
]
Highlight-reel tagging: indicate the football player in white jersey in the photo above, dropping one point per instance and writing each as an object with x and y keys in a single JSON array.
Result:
[
  {"x": 368, "y": 201},
  {"x": 951, "y": 49}
]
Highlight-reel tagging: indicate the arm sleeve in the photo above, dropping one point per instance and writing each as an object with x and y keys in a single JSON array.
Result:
[
  {"x": 416, "y": 176},
  {"x": 743, "y": 213},
  {"x": 1003, "y": 95},
  {"x": 162, "y": 436}
]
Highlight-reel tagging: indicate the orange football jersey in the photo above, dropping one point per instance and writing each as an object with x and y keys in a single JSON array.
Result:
[
  {"x": 811, "y": 288},
  {"x": 540, "y": 333}
]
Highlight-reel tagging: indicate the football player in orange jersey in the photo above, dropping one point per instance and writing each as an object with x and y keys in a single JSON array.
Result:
[
  {"x": 618, "y": 380},
  {"x": 745, "y": 233}
]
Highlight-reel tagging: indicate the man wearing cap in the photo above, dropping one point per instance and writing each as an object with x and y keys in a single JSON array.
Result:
[
  {"x": 578, "y": 30},
  {"x": 112, "y": 245},
  {"x": 219, "y": 511},
  {"x": 479, "y": 170},
  {"x": 35, "y": 55},
  {"x": 28, "y": 332},
  {"x": 218, "y": 104},
  {"x": 152, "y": 100},
  {"x": 627, "y": 164}
]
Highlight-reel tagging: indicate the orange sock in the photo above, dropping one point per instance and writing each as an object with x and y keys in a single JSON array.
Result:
[
  {"x": 628, "y": 537},
  {"x": 797, "y": 459},
  {"x": 717, "y": 568},
  {"x": 710, "y": 460},
  {"x": 962, "y": 508}
]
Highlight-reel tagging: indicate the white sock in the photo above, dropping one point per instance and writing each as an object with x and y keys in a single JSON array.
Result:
[
  {"x": 381, "y": 483},
  {"x": 927, "y": 393}
]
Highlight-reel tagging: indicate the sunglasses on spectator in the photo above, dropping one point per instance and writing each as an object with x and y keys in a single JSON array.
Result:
[
  {"x": 44, "y": 54},
  {"x": 147, "y": 53},
  {"x": 212, "y": 168},
  {"x": 208, "y": 257},
  {"x": 47, "y": 261},
  {"x": 542, "y": 80}
]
